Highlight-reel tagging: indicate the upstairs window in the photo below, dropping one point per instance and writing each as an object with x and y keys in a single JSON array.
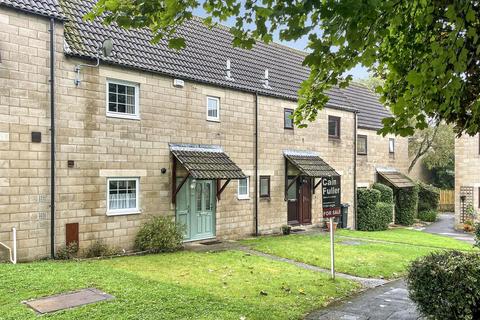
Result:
[
  {"x": 243, "y": 189},
  {"x": 122, "y": 99},
  {"x": 333, "y": 127},
  {"x": 287, "y": 118},
  {"x": 213, "y": 109},
  {"x": 391, "y": 145},
  {"x": 361, "y": 144}
]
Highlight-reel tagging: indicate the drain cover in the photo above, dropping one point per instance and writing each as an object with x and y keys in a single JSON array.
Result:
[{"x": 68, "y": 300}]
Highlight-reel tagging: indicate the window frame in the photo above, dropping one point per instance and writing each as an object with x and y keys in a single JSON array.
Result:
[
  {"x": 127, "y": 211},
  {"x": 217, "y": 118},
  {"x": 285, "y": 110},
  {"x": 245, "y": 196},
  {"x": 366, "y": 144},
  {"x": 267, "y": 195},
  {"x": 113, "y": 114},
  {"x": 391, "y": 143},
  {"x": 338, "y": 122}
]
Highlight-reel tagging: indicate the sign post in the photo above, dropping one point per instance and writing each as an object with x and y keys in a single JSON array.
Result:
[{"x": 331, "y": 198}]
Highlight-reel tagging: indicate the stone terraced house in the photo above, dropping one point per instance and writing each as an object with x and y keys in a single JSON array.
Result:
[
  {"x": 202, "y": 135},
  {"x": 467, "y": 176}
]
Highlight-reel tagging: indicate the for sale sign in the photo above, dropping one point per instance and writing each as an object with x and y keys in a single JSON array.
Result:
[{"x": 331, "y": 196}]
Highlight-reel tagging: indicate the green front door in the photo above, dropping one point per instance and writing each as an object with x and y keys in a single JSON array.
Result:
[{"x": 195, "y": 208}]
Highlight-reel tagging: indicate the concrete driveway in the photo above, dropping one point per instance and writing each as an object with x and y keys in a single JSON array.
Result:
[{"x": 445, "y": 227}]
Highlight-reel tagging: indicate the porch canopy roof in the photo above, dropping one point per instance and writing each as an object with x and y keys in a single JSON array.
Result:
[
  {"x": 206, "y": 161},
  {"x": 309, "y": 163},
  {"x": 395, "y": 178}
]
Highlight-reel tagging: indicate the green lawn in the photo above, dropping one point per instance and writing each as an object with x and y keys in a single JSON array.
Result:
[
  {"x": 408, "y": 236},
  {"x": 364, "y": 258},
  {"x": 184, "y": 285}
]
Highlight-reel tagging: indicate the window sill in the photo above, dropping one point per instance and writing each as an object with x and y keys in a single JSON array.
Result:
[
  {"x": 332, "y": 138},
  {"x": 361, "y": 154},
  {"x": 213, "y": 120},
  {"x": 243, "y": 198},
  {"x": 122, "y": 213},
  {"x": 122, "y": 116}
]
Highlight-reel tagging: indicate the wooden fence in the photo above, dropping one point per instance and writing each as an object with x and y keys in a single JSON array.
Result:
[{"x": 447, "y": 200}]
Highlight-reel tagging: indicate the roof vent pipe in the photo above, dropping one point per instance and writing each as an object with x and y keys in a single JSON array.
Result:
[
  {"x": 266, "y": 83},
  {"x": 229, "y": 71}
]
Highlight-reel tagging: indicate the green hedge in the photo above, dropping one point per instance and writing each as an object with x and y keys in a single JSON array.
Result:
[
  {"x": 386, "y": 192},
  {"x": 427, "y": 216},
  {"x": 445, "y": 285},
  {"x": 372, "y": 214},
  {"x": 160, "y": 234},
  {"x": 406, "y": 206},
  {"x": 428, "y": 197}
]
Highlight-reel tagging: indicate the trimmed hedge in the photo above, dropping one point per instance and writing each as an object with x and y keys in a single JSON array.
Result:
[
  {"x": 406, "y": 206},
  {"x": 445, "y": 285},
  {"x": 477, "y": 235},
  {"x": 428, "y": 216},
  {"x": 428, "y": 197},
  {"x": 372, "y": 215},
  {"x": 386, "y": 192}
]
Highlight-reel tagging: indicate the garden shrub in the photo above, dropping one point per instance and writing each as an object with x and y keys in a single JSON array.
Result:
[
  {"x": 386, "y": 192},
  {"x": 477, "y": 235},
  {"x": 406, "y": 205},
  {"x": 445, "y": 285},
  {"x": 99, "y": 249},
  {"x": 67, "y": 252},
  {"x": 428, "y": 197},
  {"x": 428, "y": 216},
  {"x": 160, "y": 234},
  {"x": 366, "y": 208}
]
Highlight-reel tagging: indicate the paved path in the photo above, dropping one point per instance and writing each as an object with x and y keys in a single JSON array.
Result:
[
  {"x": 388, "y": 302},
  {"x": 445, "y": 227}
]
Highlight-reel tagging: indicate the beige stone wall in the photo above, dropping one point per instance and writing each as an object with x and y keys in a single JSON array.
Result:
[
  {"x": 378, "y": 155},
  {"x": 102, "y": 146},
  {"x": 273, "y": 139},
  {"x": 467, "y": 173}
]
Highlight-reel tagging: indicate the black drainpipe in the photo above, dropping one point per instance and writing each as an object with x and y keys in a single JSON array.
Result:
[
  {"x": 52, "y": 137},
  {"x": 256, "y": 164},
  {"x": 355, "y": 168}
]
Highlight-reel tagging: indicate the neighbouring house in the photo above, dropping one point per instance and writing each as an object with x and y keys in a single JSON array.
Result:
[
  {"x": 467, "y": 176},
  {"x": 203, "y": 135}
]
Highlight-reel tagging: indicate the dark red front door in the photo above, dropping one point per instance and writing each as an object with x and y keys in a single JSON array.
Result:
[
  {"x": 305, "y": 195},
  {"x": 299, "y": 201}
]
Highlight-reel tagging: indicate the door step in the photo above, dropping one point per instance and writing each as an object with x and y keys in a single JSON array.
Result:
[{"x": 211, "y": 242}]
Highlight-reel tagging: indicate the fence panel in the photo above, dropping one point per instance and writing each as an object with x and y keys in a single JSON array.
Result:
[{"x": 447, "y": 200}]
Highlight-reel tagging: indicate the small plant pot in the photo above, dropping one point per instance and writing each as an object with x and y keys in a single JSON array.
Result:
[
  {"x": 334, "y": 226},
  {"x": 286, "y": 230}
]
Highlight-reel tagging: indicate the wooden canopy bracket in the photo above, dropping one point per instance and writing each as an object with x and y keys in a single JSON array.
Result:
[
  {"x": 220, "y": 189},
  {"x": 316, "y": 185},
  {"x": 289, "y": 185},
  {"x": 176, "y": 189}
]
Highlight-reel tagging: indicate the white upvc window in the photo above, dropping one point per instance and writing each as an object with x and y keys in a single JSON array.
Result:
[
  {"x": 391, "y": 145},
  {"x": 243, "y": 189},
  {"x": 213, "y": 109},
  {"x": 123, "y": 99},
  {"x": 123, "y": 196}
]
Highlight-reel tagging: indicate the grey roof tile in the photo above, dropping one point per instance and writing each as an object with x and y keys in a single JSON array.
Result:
[
  {"x": 49, "y": 8},
  {"x": 204, "y": 58}
]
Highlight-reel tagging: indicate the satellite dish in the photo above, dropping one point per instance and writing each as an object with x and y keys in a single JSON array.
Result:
[{"x": 107, "y": 47}]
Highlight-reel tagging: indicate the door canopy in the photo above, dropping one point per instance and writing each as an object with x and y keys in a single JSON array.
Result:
[
  {"x": 309, "y": 164},
  {"x": 395, "y": 178},
  {"x": 206, "y": 162}
]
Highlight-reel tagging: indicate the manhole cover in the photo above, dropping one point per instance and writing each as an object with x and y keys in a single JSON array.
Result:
[{"x": 68, "y": 300}]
